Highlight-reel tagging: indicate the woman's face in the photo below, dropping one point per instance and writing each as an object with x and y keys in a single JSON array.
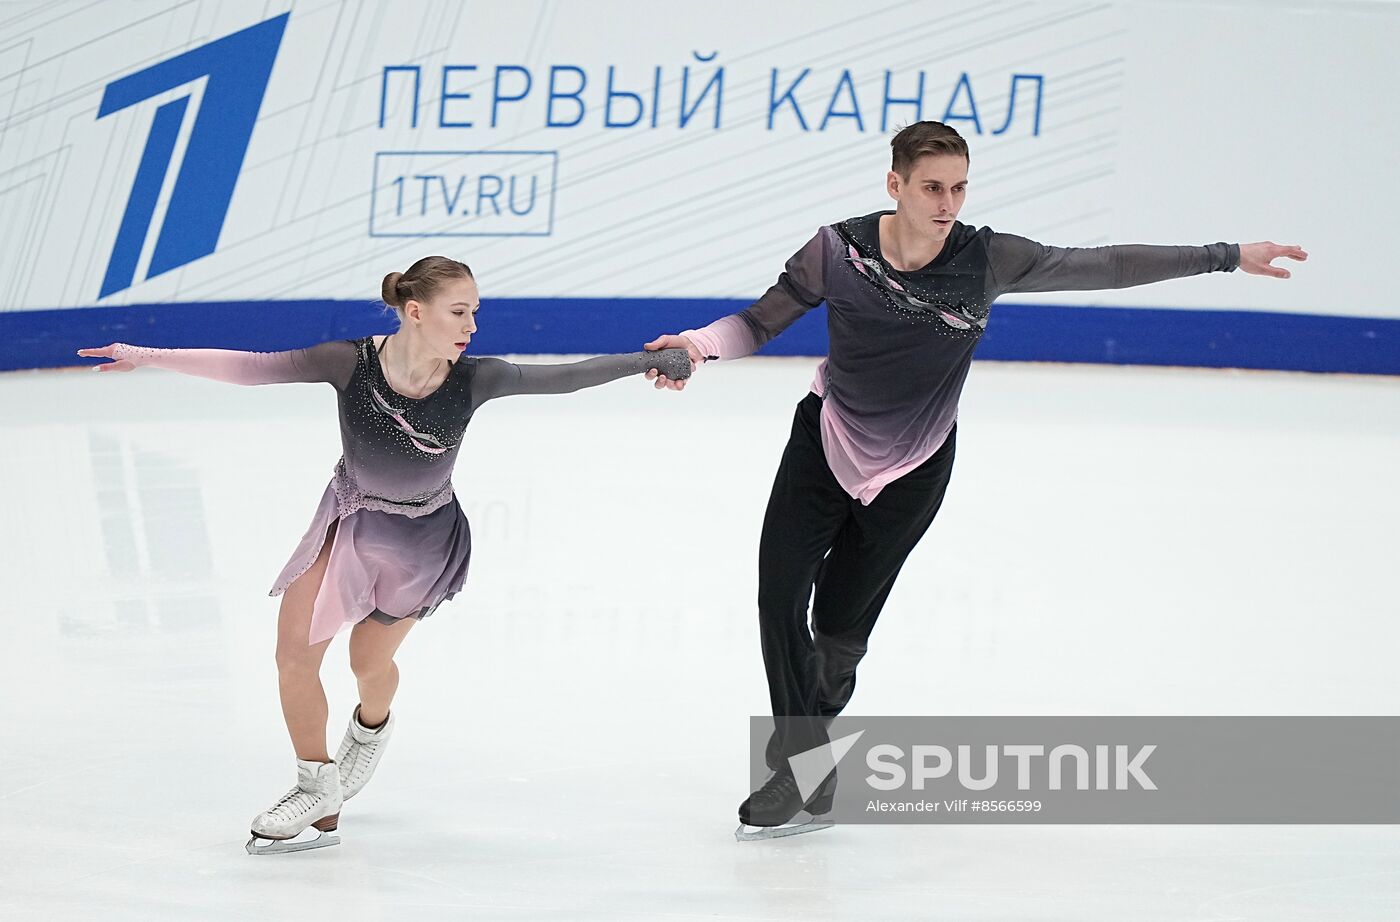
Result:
[{"x": 447, "y": 321}]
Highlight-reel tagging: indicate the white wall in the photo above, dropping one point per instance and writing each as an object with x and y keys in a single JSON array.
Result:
[{"x": 1162, "y": 122}]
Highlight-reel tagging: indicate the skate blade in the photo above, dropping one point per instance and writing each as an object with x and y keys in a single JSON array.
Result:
[
  {"x": 308, "y": 838},
  {"x": 760, "y": 833}
]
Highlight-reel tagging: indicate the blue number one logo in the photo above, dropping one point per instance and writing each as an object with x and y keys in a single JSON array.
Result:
[{"x": 238, "y": 67}]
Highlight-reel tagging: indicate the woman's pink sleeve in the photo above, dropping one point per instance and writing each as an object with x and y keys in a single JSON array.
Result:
[{"x": 331, "y": 363}]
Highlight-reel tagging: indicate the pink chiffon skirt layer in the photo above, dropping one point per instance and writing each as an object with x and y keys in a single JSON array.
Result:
[{"x": 381, "y": 564}]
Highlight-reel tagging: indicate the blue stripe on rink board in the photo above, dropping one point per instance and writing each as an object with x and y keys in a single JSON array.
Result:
[{"x": 1017, "y": 332}]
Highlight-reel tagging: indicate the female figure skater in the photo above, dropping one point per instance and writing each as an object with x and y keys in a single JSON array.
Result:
[{"x": 389, "y": 542}]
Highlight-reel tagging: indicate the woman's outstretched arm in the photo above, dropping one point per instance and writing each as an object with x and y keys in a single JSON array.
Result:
[
  {"x": 332, "y": 362},
  {"x": 499, "y": 378}
]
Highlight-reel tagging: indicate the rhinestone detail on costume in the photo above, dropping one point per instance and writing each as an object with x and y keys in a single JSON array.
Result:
[{"x": 956, "y": 316}]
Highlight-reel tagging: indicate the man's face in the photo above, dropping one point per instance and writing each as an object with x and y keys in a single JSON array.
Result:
[{"x": 933, "y": 194}]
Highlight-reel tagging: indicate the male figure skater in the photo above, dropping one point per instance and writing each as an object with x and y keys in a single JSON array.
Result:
[{"x": 871, "y": 450}]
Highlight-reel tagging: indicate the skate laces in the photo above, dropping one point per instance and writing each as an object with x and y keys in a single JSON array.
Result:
[
  {"x": 294, "y": 801},
  {"x": 781, "y": 784},
  {"x": 362, "y": 754}
]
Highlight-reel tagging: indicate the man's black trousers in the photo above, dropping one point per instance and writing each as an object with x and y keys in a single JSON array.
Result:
[{"x": 817, "y": 536}]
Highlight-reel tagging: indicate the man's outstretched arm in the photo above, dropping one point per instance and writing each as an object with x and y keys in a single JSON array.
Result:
[
  {"x": 1017, "y": 264},
  {"x": 800, "y": 287}
]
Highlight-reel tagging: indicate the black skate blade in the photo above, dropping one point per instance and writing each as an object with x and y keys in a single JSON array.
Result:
[
  {"x": 760, "y": 833},
  {"x": 307, "y": 839}
]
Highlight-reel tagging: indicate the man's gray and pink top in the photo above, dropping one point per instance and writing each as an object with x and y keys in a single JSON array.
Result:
[{"x": 901, "y": 343}]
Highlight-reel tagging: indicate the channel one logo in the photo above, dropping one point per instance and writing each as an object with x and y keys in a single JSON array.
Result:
[{"x": 235, "y": 69}]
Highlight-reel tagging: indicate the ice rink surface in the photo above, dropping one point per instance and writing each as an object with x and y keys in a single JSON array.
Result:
[{"x": 572, "y": 729}]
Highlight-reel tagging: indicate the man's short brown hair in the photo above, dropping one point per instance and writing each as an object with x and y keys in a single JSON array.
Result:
[{"x": 922, "y": 139}]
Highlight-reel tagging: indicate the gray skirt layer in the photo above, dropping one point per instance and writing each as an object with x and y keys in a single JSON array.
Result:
[{"x": 382, "y": 565}]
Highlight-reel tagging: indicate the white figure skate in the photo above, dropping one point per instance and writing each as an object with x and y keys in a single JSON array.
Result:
[
  {"x": 304, "y": 817},
  {"x": 360, "y": 753}
]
